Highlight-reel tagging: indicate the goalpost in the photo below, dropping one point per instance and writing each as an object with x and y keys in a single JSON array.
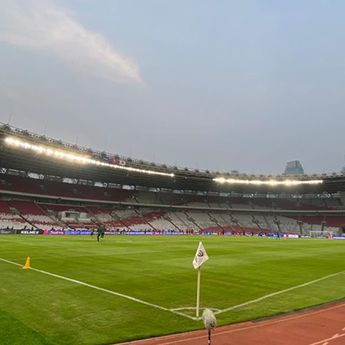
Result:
[{"x": 321, "y": 234}]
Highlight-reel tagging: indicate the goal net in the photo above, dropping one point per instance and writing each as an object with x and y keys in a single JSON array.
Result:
[{"x": 321, "y": 234}]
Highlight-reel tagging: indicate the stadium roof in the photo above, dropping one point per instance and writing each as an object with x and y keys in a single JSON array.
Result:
[{"x": 30, "y": 152}]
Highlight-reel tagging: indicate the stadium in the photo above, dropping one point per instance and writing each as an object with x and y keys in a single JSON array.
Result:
[{"x": 274, "y": 245}]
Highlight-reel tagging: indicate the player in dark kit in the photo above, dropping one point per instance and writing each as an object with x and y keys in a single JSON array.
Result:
[{"x": 100, "y": 232}]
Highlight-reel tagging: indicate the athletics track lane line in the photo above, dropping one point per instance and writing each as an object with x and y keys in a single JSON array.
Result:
[
  {"x": 326, "y": 341},
  {"x": 102, "y": 289}
]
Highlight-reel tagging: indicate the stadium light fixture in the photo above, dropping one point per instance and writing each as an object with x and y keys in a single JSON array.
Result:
[
  {"x": 75, "y": 158},
  {"x": 271, "y": 183}
]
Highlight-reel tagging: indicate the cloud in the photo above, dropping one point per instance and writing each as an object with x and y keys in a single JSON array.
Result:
[{"x": 41, "y": 26}]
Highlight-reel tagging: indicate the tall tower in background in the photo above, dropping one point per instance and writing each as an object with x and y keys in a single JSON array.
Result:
[{"x": 294, "y": 168}]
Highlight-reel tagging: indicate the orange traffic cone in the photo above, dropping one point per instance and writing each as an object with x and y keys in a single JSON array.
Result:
[{"x": 27, "y": 263}]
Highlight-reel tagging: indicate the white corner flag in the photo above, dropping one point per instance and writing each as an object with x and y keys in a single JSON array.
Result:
[{"x": 200, "y": 256}]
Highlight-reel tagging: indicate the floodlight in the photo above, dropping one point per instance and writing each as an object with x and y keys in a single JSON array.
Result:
[
  {"x": 272, "y": 183},
  {"x": 75, "y": 158}
]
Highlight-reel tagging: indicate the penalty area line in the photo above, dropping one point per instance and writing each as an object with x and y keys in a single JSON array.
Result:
[
  {"x": 137, "y": 300},
  {"x": 278, "y": 293}
]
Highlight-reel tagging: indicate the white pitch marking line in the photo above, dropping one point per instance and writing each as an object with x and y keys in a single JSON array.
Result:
[
  {"x": 102, "y": 289},
  {"x": 192, "y": 308},
  {"x": 184, "y": 308},
  {"x": 278, "y": 293}
]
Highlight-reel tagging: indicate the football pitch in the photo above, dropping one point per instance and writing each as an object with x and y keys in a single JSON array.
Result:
[{"x": 130, "y": 287}]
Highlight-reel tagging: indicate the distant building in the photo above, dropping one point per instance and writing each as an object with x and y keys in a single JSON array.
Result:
[{"x": 294, "y": 168}]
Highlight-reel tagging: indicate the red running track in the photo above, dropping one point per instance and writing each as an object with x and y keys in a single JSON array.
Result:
[{"x": 319, "y": 326}]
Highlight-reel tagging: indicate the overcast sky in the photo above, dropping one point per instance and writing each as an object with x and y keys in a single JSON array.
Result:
[{"x": 221, "y": 85}]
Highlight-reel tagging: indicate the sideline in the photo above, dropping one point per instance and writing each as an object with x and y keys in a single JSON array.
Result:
[{"x": 102, "y": 289}]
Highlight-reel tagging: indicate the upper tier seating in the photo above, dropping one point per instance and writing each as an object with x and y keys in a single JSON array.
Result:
[
  {"x": 59, "y": 189},
  {"x": 41, "y": 215}
]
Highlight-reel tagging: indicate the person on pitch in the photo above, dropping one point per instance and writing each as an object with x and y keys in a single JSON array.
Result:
[{"x": 100, "y": 232}]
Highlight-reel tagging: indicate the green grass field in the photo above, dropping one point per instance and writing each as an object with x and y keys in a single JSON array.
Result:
[{"x": 36, "y": 308}]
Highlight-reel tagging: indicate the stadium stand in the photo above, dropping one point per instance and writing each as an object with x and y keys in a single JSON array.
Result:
[
  {"x": 42, "y": 193},
  {"x": 10, "y": 219}
]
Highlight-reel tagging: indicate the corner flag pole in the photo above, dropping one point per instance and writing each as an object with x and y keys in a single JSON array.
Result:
[
  {"x": 199, "y": 258},
  {"x": 198, "y": 293}
]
